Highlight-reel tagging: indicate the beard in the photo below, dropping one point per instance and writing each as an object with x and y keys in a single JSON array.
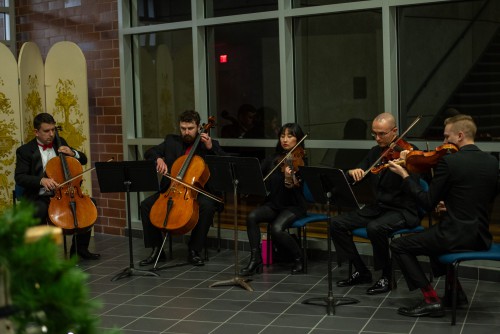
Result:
[{"x": 188, "y": 139}]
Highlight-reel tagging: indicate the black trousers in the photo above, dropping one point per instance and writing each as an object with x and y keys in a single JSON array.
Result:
[
  {"x": 378, "y": 227},
  {"x": 81, "y": 239},
  {"x": 280, "y": 221},
  {"x": 153, "y": 237}
]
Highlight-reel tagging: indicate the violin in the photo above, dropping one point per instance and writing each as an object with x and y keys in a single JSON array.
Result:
[
  {"x": 176, "y": 210},
  {"x": 293, "y": 161},
  {"x": 392, "y": 153},
  {"x": 69, "y": 208},
  {"x": 421, "y": 161}
]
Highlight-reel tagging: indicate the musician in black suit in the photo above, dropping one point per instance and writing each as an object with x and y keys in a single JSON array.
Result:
[
  {"x": 31, "y": 160},
  {"x": 466, "y": 183},
  {"x": 165, "y": 154},
  {"x": 392, "y": 210}
]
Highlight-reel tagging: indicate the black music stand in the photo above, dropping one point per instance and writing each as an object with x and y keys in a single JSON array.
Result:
[
  {"x": 240, "y": 175},
  {"x": 127, "y": 176},
  {"x": 327, "y": 184}
]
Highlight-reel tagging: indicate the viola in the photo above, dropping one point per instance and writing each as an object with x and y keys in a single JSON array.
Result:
[
  {"x": 176, "y": 210},
  {"x": 421, "y": 161},
  {"x": 293, "y": 161},
  {"x": 69, "y": 208},
  {"x": 391, "y": 154}
]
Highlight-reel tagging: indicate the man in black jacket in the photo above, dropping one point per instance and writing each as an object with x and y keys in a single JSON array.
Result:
[
  {"x": 165, "y": 154},
  {"x": 464, "y": 185},
  {"x": 392, "y": 210},
  {"x": 31, "y": 160}
]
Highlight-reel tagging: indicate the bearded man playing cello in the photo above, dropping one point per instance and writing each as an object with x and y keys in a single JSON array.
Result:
[
  {"x": 31, "y": 160},
  {"x": 165, "y": 154}
]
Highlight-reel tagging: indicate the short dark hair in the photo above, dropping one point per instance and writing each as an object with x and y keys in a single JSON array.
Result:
[
  {"x": 42, "y": 118},
  {"x": 190, "y": 116}
]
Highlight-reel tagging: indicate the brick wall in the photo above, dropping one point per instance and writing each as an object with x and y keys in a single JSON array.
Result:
[{"x": 93, "y": 25}]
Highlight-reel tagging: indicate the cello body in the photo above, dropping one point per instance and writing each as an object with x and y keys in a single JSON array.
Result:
[
  {"x": 176, "y": 210},
  {"x": 69, "y": 208}
]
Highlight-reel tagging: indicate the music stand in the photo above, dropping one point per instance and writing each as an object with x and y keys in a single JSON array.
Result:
[
  {"x": 326, "y": 184},
  {"x": 240, "y": 175},
  {"x": 127, "y": 176}
]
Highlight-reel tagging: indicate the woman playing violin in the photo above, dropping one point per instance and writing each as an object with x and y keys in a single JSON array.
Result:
[
  {"x": 165, "y": 154},
  {"x": 31, "y": 160},
  {"x": 392, "y": 209},
  {"x": 283, "y": 205}
]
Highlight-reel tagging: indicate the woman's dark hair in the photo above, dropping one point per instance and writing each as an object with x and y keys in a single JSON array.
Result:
[{"x": 294, "y": 129}]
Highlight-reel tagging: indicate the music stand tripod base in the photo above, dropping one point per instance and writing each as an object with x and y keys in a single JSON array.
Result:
[
  {"x": 236, "y": 281},
  {"x": 330, "y": 302},
  {"x": 130, "y": 271}
]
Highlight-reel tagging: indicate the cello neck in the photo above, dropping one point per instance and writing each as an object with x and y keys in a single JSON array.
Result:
[{"x": 186, "y": 163}]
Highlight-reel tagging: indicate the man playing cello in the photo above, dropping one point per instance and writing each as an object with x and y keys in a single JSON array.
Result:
[
  {"x": 31, "y": 160},
  {"x": 165, "y": 154}
]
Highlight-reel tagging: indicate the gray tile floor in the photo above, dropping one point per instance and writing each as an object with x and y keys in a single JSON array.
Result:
[{"x": 181, "y": 301}]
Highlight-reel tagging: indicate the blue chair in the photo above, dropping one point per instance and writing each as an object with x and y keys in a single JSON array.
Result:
[
  {"x": 363, "y": 233},
  {"x": 453, "y": 261},
  {"x": 301, "y": 225}
]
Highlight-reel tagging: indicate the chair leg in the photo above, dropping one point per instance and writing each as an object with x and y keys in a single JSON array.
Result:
[
  {"x": 218, "y": 232},
  {"x": 170, "y": 252},
  {"x": 268, "y": 245},
  {"x": 454, "y": 293},
  {"x": 304, "y": 247}
]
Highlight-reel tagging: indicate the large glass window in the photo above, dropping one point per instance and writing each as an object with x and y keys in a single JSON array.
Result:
[
  {"x": 244, "y": 80},
  {"x": 214, "y": 8},
  {"x": 339, "y": 73},
  {"x": 163, "y": 64},
  {"x": 3, "y": 26},
  {"x": 448, "y": 63}
]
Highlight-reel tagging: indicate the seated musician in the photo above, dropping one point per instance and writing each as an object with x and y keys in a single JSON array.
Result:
[
  {"x": 466, "y": 182},
  {"x": 392, "y": 210},
  {"x": 283, "y": 205},
  {"x": 165, "y": 154},
  {"x": 31, "y": 160}
]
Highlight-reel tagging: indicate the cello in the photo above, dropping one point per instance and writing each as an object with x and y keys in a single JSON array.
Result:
[
  {"x": 69, "y": 208},
  {"x": 176, "y": 210}
]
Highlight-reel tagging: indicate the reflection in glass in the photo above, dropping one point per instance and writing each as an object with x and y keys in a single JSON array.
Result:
[
  {"x": 3, "y": 27},
  {"x": 448, "y": 56},
  {"x": 310, "y": 3},
  {"x": 244, "y": 88},
  {"x": 164, "y": 72},
  {"x": 160, "y": 11},
  {"x": 215, "y": 8},
  {"x": 339, "y": 71}
]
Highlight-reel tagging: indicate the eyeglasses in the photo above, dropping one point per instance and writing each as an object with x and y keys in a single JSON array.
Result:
[{"x": 381, "y": 134}]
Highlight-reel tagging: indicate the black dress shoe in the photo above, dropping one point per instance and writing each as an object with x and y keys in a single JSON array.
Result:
[
  {"x": 195, "y": 259},
  {"x": 356, "y": 278},
  {"x": 85, "y": 254},
  {"x": 152, "y": 257},
  {"x": 383, "y": 285},
  {"x": 462, "y": 300},
  {"x": 423, "y": 309}
]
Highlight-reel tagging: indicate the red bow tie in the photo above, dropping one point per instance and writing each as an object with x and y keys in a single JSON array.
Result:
[{"x": 45, "y": 146}]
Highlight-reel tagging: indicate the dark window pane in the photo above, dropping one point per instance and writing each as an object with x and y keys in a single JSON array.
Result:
[
  {"x": 164, "y": 79},
  {"x": 310, "y": 3},
  {"x": 339, "y": 73},
  {"x": 244, "y": 89},
  {"x": 160, "y": 11},
  {"x": 449, "y": 63},
  {"x": 214, "y": 8}
]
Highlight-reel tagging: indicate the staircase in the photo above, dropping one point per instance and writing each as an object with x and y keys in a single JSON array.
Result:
[{"x": 478, "y": 96}]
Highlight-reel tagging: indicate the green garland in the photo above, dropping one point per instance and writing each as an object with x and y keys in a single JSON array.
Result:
[{"x": 47, "y": 291}]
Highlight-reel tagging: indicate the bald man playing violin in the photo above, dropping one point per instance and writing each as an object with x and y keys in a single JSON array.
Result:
[
  {"x": 463, "y": 187},
  {"x": 392, "y": 210},
  {"x": 31, "y": 160}
]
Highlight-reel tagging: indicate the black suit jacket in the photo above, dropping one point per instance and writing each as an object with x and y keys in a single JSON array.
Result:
[
  {"x": 389, "y": 194},
  {"x": 466, "y": 181},
  {"x": 29, "y": 167},
  {"x": 172, "y": 148}
]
